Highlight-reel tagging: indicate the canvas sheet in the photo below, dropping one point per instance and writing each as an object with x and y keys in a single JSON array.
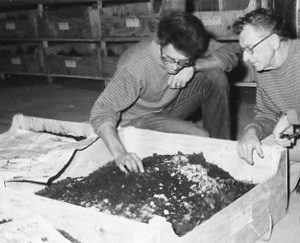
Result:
[{"x": 38, "y": 155}]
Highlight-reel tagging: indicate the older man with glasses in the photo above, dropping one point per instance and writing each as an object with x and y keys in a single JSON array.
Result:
[
  {"x": 161, "y": 82},
  {"x": 267, "y": 46}
]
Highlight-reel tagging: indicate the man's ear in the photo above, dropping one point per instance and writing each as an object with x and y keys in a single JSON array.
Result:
[{"x": 274, "y": 41}]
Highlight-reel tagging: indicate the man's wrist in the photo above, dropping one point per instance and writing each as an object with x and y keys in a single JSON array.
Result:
[
  {"x": 292, "y": 117},
  {"x": 253, "y": 129}
]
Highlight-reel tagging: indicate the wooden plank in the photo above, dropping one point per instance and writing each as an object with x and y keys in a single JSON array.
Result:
[
  {"x": 84, "y": 224},
  {"x": 249, "y": 217}
]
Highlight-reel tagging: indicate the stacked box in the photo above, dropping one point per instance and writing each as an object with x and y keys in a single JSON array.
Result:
[
  {"x": 73, "y": 59},
  {"x": 223, "y": 5},
  {"x": 129, "y": 8},
  {"x": 69, "y": 22},
  {"x": 219, "y": 23},
  {"x": 129, "y": 26},
  {"x": 20, "y": 58},
  {"x": 168, "y": 5},
  {"x": 150, "y": 7},
  {"x": 110, "y": 59},
  {"x": 17, "y": 24},
  {"x": 206, "y": 5}
]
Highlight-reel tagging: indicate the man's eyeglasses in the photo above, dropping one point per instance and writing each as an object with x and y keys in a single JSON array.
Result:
[
  {"x": 181, "y": 63},
  {"x": 250, "y": 50}
]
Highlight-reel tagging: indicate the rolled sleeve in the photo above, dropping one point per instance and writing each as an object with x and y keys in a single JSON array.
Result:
[
  {"x": 228, "y": 54},
  {"x": 121, "y": 92}
]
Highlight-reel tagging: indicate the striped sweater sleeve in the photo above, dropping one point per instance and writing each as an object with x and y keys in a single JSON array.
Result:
[
  {"x": 121, "y": 92},
  {"x": 227, "y": 53},
  {"x": 266, "y": 114}
]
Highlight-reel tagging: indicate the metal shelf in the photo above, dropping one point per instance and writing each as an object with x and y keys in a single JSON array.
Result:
[
  {"x": 236, "y": 84},
  {"x": 34, "y": 2},
  {"x": 106, "y": 39},
  {"x": 55, "y": 75},
  {"x": 49, "y": 40}
]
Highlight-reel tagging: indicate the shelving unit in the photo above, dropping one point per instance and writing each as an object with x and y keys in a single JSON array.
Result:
[
  {"x": 61, "y": 24},
  {"x": 84, "y": 38}
]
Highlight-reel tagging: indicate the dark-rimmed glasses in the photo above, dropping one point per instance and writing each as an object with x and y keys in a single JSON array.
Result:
[
  {"x": 178, "y": 62},
  {"x": 250, "y": 50}
]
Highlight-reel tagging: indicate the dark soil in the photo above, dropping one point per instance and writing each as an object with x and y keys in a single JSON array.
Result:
[{"x": 185, "y": 189}]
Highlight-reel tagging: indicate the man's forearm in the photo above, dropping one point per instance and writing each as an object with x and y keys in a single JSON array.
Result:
[
  {"x": 253, "y": 129},
  {"x": 108, "y": 132},
  {"x": 207, "y": 63},
  {"x": 262, "y": 127}
]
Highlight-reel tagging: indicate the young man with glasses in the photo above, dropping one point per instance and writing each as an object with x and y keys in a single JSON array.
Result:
[
  {"x": 160, "y": 82},
  {"x": 276, "y": 57}
]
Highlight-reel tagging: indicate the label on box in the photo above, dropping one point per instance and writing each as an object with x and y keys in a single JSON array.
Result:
[
  {"x": 212, "y": 20},
  {"x": 15, "y": 60},
  {"x": 63, "y": 26},
  {"x": 130, "y": 22},
  {"x": 10, "y": 26},
  {"x": 70, "y": 63}
]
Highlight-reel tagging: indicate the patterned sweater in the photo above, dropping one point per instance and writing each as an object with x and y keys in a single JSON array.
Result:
[
  {"x": 139, "y": 86},
  {"x": 278, "y": 91}
]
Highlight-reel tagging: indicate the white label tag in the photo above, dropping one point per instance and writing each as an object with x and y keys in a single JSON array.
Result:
[
  {"x": 10, "y": 26},
  {"x": 240, "y": 220},
  {"x": 212, "y": 20},
  {"x": 70, "y": 63},
  {"x": 63, "y": 26},
  {"x": 132, "y": 22},
  {"x": 15, "y": 60}
]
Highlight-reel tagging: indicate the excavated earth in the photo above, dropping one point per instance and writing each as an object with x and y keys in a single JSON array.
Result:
[{"x": 185, "y": 189}]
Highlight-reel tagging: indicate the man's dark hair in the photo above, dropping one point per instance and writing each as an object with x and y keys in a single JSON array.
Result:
[
  {"x": 264, "y": 19},
  {"x": 185, "y": 32}
]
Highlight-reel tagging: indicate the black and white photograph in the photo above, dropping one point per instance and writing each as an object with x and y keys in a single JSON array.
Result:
[{"x": 149, "y": 121}]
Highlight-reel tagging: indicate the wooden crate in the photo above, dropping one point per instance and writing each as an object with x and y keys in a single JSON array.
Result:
[
  {"x": 243, "y": 221},
  {"x": 150, "y": 7},
  {"x": 12, "y": 63},
  {"x": 21, "y": 58},
  {"x": 223, "y": 5},
  {"x": 110, "y": 59},
  {"x": 69, "y": 22},
  {"x": 73, "y": 59},
  {"x": 130, "y": 8},
  {"x": 109, "y": 66},
  {"x": 128, "y": 26},
  {"x": 18, "y": 24},
  {"x": 219, "y": 23},
  {"x": 168, "y": 5}
]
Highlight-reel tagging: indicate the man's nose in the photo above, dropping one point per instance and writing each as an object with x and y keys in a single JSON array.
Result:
[{"x": 176, "y": 66}]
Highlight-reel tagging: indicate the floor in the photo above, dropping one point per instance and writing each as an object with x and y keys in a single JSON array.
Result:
[{"x": 71, "y": 100}]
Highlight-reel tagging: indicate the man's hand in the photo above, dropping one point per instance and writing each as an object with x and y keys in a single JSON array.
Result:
[
  {"x": 283, "y": 127},
  {"x": 180, "y": 79},
  {"x": 247, "y": 144},
  {"x": 129, "y": 162}
]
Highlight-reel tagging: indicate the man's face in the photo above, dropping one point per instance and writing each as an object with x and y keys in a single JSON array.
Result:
[
  {"x": 173, "y": 59},
  {"x": 257, "y": 48}
]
